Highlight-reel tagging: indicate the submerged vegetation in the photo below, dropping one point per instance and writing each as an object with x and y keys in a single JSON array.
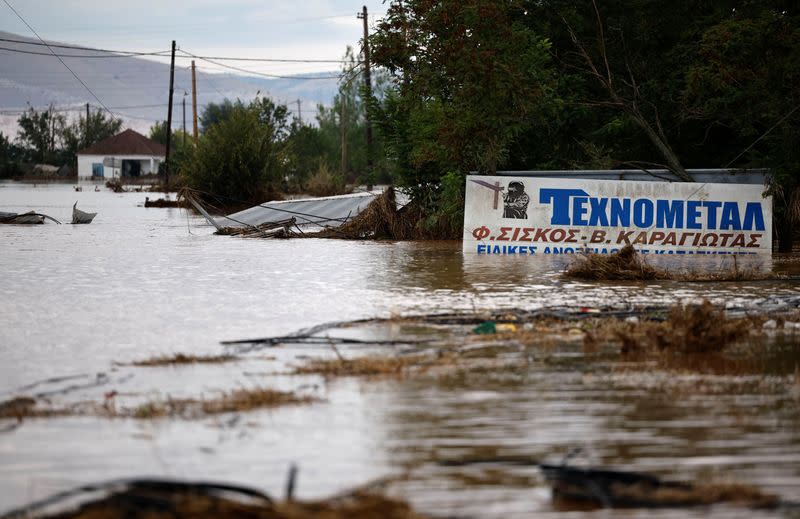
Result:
[
  {"x": 183, "y": 358},
  {"x": 239, "y": 400},
  {"x": 169, "y": 499},
  {"x": 628, "y": 265}
]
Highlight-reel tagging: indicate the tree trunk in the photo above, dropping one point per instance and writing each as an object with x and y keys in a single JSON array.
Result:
[{"x": 672, "y": 159}]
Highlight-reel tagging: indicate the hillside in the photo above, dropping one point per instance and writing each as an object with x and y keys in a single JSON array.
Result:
[{"x": 135, "y": 88}]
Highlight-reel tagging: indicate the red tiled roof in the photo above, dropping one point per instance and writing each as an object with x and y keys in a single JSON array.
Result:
[{"x": 128, "y": 142}]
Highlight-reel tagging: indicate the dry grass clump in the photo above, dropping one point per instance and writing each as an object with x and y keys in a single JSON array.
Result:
[
  {"x": 379, "y": 220},
  {"x": 19, "y": 407},
  {"x": 183, "y": 358},
  {"x": 629, "y": 265},
  {"x": 155, "y": 503},
  {"x": 695, "y": 495},
  {"x": 362, "y": 366},
  {"x": 234, "y": 401},
  {"x": 239, "y": 400},
  {"x": 626, "y": 264},
  {"x": 700, "y": 328},
  {"x": 325, "y": 183}
]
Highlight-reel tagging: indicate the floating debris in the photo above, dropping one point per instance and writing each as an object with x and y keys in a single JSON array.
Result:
[
  {"x": 81, "y": 217},
  {"x": 169, "y": 499},
  {"x": 29, "y": 218},
  {"x": 182, "y": 358},
  {"x": 604, "y": 488},
  {"x": 165, "y": 202},
  {"x": 19, "y": 407},
  {"x": 279, "y": 229},
  {"x": 628, "y": 265},
  {"x": 239, "y": 400},
  {"x": 688, "y": 329},
  {"x": 363, "y": 366},
  {"x": 234, "y": 401}
]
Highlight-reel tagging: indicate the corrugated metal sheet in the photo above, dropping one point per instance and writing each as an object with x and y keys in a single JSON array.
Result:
[
  {"x": 713, "y": 176},
  {"x": 309, "y": 213}
]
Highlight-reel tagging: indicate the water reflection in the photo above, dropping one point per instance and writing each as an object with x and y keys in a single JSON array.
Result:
[{"x": 143, "y": 282}]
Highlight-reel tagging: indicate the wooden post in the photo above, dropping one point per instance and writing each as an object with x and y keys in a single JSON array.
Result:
[
  {"x": 343, "y": 124},
  {"x": 169, "y": 117},
  {"x": 194, "y": 103},
  {"x": 367, "y": 89},
  {"x": 184, "y": 118}
]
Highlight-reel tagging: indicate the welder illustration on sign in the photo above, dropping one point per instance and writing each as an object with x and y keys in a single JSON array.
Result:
[{"x": 515, "y": 202}]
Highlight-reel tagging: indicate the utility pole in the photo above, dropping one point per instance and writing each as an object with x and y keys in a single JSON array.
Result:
[
  {"x": 86, "y": 128},
  {"x": 184, "y": 118},
  {"x": 169, "y": 117},
  {"x": 367, "y": 89},
  {"x": 194, "y": 103},
  {"x": 299, "y": 114},
  {"x": 343, "y": 124}
]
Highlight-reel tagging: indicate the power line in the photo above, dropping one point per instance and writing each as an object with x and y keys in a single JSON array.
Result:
[
  {"x": 92, "y": 56},
  {"x": 272, "y": 60},
  {"x": 56, "y": 55},
  {"x": 71, "y": 47},
  {"x": 252, "y": 72},
  {"x": 82, "y": 107},
  {"x": 160, "y": 53}
]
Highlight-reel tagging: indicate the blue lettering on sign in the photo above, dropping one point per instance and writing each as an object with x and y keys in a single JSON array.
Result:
[
  {"x": 560, "y": 199},
  {"x": 621, "y": 212},
  {"x": 598, "y": 216},
  {"x": 669, "y": 214},
  {"x": 575, "y": 207}
]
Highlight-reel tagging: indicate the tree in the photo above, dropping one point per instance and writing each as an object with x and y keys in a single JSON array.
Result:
[
  {"x": 744, "y": 84},
  {"x": 337, "y": 144},
  {"x": 470, "y": 75},
  {"x": 41, "y": 133},
  {"x": 217, "y": 112},
  {"x": 8, "y": 158},
  {"x": 240, "y": 158},
  {"x": 87, "y": 131},
  {"x": 468, "y": 78},
  {"x": 181, "y": 145}
]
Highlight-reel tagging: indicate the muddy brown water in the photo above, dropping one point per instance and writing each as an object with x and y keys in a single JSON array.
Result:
[{"x": 137, "y": 283}]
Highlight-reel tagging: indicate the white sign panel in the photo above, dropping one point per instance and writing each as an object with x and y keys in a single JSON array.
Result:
[{"x": 530, "y": 216}]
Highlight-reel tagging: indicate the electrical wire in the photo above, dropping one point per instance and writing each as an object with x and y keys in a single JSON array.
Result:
[
  {"x": 252, "y": 72},
  {"x": 59, "y": 58},
  {"x": 91, "y": 56},
  {"x": 123, "y": 53},
  {"x": 71, "y": 47}
]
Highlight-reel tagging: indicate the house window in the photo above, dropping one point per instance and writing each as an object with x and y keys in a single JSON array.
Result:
[{"x": 97, "y": 169}]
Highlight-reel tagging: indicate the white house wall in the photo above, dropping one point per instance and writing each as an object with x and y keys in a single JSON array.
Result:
[{"x": 149, "y": 164}]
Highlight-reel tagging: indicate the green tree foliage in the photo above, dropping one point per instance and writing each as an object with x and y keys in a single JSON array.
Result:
[
  {"x": 180, "y": 147},
  {"x": 41, "y": 133},
  {"x": 468, "y": 78},
  {"x": 9, "y": 154},
  {"x": 744, "y": 85},
  {"x": 217, "y": 112},
  {"x": 561, "y": 84},
  {"x": 336, "y": 145},
  {"x": 241, "y": 157},
  {"x": 86, "y": 132}
]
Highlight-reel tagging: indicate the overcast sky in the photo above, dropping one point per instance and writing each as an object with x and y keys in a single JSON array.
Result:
[{"x": 307, "y": 29}]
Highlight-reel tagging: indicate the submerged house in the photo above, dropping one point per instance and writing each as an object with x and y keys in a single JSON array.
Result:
[{"x": 127, "y": 154}]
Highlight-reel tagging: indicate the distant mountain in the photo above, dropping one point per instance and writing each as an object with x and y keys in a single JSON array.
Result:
[{"x": 134, "y": 88}]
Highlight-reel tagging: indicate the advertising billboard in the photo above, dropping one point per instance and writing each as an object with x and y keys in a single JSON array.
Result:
[{"x": 530, "y": 216}]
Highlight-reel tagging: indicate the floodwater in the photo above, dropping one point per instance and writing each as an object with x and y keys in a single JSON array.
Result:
[{"x": 78, "y": 302}]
